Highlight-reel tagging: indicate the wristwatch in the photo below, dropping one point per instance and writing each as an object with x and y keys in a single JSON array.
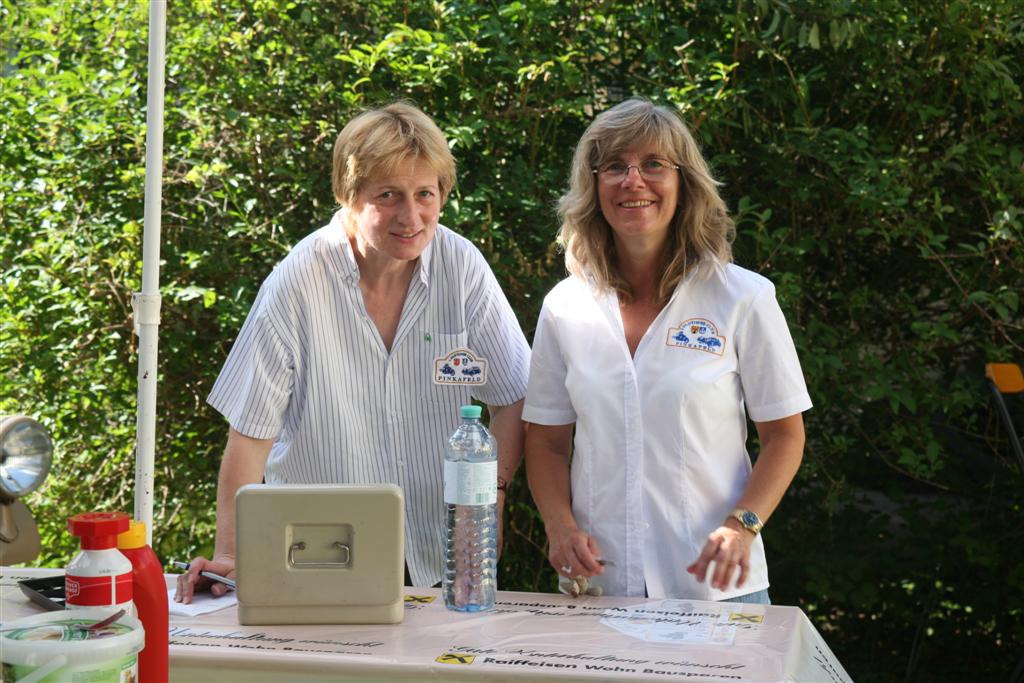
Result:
[{"x": 748, "y": 519}]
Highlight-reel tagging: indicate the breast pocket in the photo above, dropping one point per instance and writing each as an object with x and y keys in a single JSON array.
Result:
[{"x": 440, "y": 372}]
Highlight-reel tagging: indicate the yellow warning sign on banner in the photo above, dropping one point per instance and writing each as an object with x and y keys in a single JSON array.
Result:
[{"x": 455, "y": 658}]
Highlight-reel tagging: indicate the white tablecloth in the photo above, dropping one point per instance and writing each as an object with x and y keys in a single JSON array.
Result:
[{"x": 528, "y": 636}]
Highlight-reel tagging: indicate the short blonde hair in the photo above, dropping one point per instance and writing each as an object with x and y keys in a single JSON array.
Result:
[
  {"x": 701, "y": 231},
  {"x": 376, "y": 142}
]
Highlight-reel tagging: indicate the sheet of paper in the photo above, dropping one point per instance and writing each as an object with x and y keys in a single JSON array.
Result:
[
  {"x": 681, "y": 621},
  {"x": 202, "y": 603}
]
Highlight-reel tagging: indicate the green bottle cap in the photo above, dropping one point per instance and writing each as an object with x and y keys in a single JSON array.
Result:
[{"x": 470, "y": 412}]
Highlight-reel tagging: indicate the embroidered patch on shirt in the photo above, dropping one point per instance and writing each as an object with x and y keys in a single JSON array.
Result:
[
  {"x": 698, "y": 334},
  {"x": 461, "y": 366}
]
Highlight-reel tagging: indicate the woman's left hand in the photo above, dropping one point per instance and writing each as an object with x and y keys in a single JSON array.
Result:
[{"x": 728, "y": 547}]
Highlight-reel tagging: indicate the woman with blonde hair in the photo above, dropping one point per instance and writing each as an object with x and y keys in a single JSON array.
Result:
[
  {"x": 646, "y": 362},
  {"x": 341, "y": 372}
]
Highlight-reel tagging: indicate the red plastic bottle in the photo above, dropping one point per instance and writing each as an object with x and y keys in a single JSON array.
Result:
[{"x": 150, "y": 595}]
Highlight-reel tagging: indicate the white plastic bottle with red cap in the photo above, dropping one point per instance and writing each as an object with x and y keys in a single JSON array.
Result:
[{"x": 100, "y": 575}]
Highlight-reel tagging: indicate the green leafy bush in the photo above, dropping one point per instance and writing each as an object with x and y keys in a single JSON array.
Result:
[{"x": 871, "y": 153}]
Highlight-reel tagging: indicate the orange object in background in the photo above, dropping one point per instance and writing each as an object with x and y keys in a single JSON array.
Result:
[
  {"x": 150, "y": 593},
  {"x": 1007, "y": 377}
]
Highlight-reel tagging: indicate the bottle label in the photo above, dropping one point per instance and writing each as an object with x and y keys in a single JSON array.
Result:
[
  {"x": 470, "y": 483},
  {"x": 97, "y": 591}
]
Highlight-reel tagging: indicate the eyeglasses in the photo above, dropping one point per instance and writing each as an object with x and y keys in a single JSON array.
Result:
[{"x": 654, "y": 169}]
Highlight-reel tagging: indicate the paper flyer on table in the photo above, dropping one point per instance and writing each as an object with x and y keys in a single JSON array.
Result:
[{"x": 202, "y": 603}]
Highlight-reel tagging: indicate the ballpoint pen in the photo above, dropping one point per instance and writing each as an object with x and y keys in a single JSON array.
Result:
[{"x": 230, "y": 583}]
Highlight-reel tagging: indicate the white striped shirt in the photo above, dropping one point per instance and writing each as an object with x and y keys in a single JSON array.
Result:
[{"x": 309, "y": 369}]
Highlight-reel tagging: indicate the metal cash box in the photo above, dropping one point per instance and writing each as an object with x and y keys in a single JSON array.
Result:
[{"x": 320, "y": 554}]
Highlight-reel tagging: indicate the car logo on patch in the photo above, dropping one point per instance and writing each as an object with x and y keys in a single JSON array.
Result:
[
  {"x": 461, "y": 366},
  {"x": 698, "y": 334}
]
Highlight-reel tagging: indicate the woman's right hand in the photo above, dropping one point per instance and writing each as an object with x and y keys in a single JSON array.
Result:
[
  {"x": 573, "y": 552},
  {"x": 190, "y": 581}
]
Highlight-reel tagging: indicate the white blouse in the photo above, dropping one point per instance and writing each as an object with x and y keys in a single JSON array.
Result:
[{"x": 659, "y": 455}]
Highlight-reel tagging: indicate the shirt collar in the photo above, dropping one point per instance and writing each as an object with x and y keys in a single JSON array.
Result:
[
  {"x": 340, "y": 246},
  {"x": 702, "y": 270},
  {"x": 335, "y": 244},
  {"x": 423, "y": 265}
]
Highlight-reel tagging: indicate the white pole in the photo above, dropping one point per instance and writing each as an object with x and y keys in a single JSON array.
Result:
[{"x": 146, "y": 305}]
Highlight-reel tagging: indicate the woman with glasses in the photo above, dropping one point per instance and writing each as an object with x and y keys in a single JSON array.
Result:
[{"x": 646, "y": 362}]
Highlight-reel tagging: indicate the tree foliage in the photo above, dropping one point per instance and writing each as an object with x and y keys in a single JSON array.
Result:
[{"x": 870, "y": 152}]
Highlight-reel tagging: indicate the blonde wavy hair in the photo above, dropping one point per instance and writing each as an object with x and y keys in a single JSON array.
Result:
[
  {"x": 701, "y": 231},
  {"x": 378, "y": 141}
]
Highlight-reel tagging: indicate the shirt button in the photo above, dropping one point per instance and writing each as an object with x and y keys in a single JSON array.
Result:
[{"x": 646, "y": 525}]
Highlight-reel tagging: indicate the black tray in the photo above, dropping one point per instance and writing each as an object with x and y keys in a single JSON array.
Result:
[{"x": 47, "y": 592}]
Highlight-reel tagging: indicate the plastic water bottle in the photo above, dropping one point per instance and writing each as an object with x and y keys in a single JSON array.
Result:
[{"x": 470, "y": 497}]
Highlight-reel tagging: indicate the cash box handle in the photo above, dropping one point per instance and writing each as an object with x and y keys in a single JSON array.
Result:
[{"x": 301, "y": 545}]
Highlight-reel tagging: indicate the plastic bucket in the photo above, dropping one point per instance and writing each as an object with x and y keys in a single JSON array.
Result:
[{"x": 47, "y": 648}]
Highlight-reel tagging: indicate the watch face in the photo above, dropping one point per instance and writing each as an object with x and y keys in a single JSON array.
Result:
[{"x": 750, "y": 519}]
